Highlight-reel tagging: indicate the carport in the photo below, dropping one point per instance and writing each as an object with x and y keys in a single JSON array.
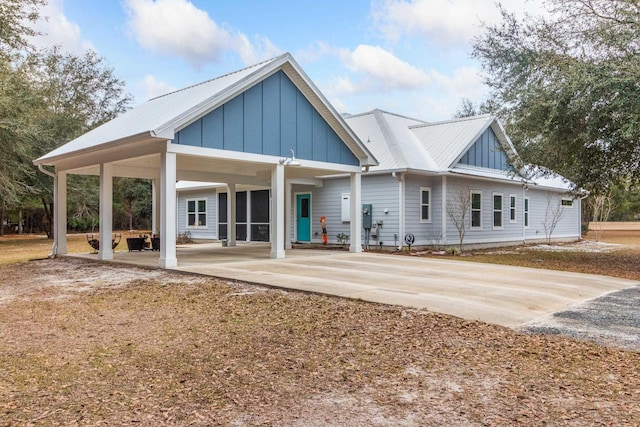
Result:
[{"x": 265, "y": 125}]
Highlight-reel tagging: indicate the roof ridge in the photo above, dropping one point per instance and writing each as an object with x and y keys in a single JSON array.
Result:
[
  {"x": 219, "y": 77},
  {"x": 455, "y": 120},
  {"x": 389, "y": 137},
  {"x": 384, "y": 112}
]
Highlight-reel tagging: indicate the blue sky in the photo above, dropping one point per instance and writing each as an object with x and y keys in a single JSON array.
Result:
[{"x": 410, "y": 57}]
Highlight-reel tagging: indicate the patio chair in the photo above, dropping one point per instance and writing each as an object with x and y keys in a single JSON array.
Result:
[{"x": 94, "y": 242}]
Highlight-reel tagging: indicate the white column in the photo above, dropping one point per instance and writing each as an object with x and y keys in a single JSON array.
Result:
[
  {"x": 231, "y": 214},
  {"x": 155, "y": 210},
  {"x": 277, "y": 211},
  {"x": 106, "y": 211},
  {"x": 59, "y": 226},
  {"x": 168, "y": 210},
  {"x": 287, "y": 214},
  {"x": 356, "y": 213}
]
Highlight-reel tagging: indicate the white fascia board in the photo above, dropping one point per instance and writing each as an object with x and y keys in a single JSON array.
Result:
[
  {"x": 370, "y": 158},
  {"x": 471, "y": 175},
  {"x": 133, "y": 139},
  {"x": 265, "y": 159},
  {"x": 470, "y": 143},
  {"x": 504, "y": 139}
]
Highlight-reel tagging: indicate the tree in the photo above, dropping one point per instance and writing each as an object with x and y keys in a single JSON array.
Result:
[
  {"x": 17, "y": 100},
  {"x": 79, "y": 93},
  {"x": 601, "y": 207},
  {"x": 552, "y": 216},
  {"x": 135, "y": 197},
  {"x": 568, "y": 87},
  {"x": 468, "y": 108},
  {"x": 15, "y": 16},
  {"x": 457, "y": 208}
]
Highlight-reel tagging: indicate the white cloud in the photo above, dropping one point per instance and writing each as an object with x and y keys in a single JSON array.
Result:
[
  {"x": 444, "y": 22},
  {"x": 153, "y": 87},
  {"x": 56, "y": 29},
  {"x": 178, "y": 28},
  {"x": 381, "y": 69},
  {"x": 466, "y": 82}
]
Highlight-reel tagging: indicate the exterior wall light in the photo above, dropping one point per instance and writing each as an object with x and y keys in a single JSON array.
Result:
[{"x": 291, "y": 161}]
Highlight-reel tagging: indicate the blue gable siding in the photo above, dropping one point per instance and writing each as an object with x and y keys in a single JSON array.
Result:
[
  {"x": 272, "y": 117},
  {"x": 487, "y": 152}
]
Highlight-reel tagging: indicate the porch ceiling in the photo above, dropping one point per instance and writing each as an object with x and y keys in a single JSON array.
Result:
[{"x": 211, "y": 169}]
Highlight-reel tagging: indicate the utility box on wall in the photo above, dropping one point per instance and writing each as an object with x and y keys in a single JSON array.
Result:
[{"x": 367, "y": 221}]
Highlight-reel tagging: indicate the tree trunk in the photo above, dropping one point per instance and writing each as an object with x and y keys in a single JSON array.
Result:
[
  {"x": 48, "y": 209},
  {"x": 1, "y": 220},
  {"x": 20, "y": 228}
]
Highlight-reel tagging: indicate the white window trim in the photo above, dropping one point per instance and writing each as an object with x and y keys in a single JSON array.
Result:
[
  {"x": 206, "y": 208},
  {"x": 471, "y": 227},
  {"x": 494, "y": 210},
  {"x": 422, "y": 220},
  {"x": 526, "y": 208},
  {"x": 514, "y": 209},
  {"x": 565, "y": 199}
]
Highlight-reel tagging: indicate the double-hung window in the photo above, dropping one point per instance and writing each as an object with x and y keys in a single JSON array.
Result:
[
  {"x": 526, "y": 212},
  {"x": 476, "y": 209},
  {"x": 425, "y": 204},
  {"x": 197, "y": 213},
  {"x": 512, "y": 208},
  {"x": 497, "y": 210}
]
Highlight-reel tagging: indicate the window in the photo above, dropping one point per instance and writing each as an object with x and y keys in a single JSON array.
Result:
[
  {"x": 512, "y": 208},
  {"x": 476, "y": 209},
  {"x": 526, "y": 212},
  {"x": 567, "y": 203},
  {"x": 425, "y": 204},
  {"x": 346, "y": 207},
  {"x": 497, "y": 210},
  {"x": 197, "y": 213}
]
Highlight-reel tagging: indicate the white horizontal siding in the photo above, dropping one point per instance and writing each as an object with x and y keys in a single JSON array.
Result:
[
  {"x": 211, "y": 230},
  {"x": 487, "y": 234},
  {"x": 381, "y": 191},
  {"x": 541, "y": 202},
  {"x": 428, "y": 233}
]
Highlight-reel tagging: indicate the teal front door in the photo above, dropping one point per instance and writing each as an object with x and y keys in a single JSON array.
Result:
[{"x": 303, "y": 214}]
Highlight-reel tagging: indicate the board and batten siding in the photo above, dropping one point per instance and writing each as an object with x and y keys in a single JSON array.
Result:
[
  {"x": 271, "y": 118},
  {"x": 211, "y": 229}
]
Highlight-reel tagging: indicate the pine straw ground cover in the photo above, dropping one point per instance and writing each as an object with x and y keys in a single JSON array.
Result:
[
  {"x": 616, "y": 255},
  {"x": 82, "y": 344}
]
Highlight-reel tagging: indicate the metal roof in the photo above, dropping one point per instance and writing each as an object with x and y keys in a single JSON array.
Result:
[
  {"x": 390, "y": 139},
  {"x": 447, "y": 141},
  {"x": 162, "y": 116}
]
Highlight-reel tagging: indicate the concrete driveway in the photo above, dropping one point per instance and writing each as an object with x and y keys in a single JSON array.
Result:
[{"x": 504, "y": 295}]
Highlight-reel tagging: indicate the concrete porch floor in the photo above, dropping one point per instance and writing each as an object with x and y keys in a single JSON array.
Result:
[{"x": 504, "y": 295}]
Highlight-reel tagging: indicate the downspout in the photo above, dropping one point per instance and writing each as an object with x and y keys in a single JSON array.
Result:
[
  {"x": 400, "y": 178},
  {"x": 54, "y": 246},
  {"x": 525, "y": 187},
  {"x": 444, "y": 209}
]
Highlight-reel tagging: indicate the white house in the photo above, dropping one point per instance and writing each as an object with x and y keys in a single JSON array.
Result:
[
  {"x": 242, "y": 128},
  {"x": 285, "y": 158},
  {"x": 427, "y": 172}
]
